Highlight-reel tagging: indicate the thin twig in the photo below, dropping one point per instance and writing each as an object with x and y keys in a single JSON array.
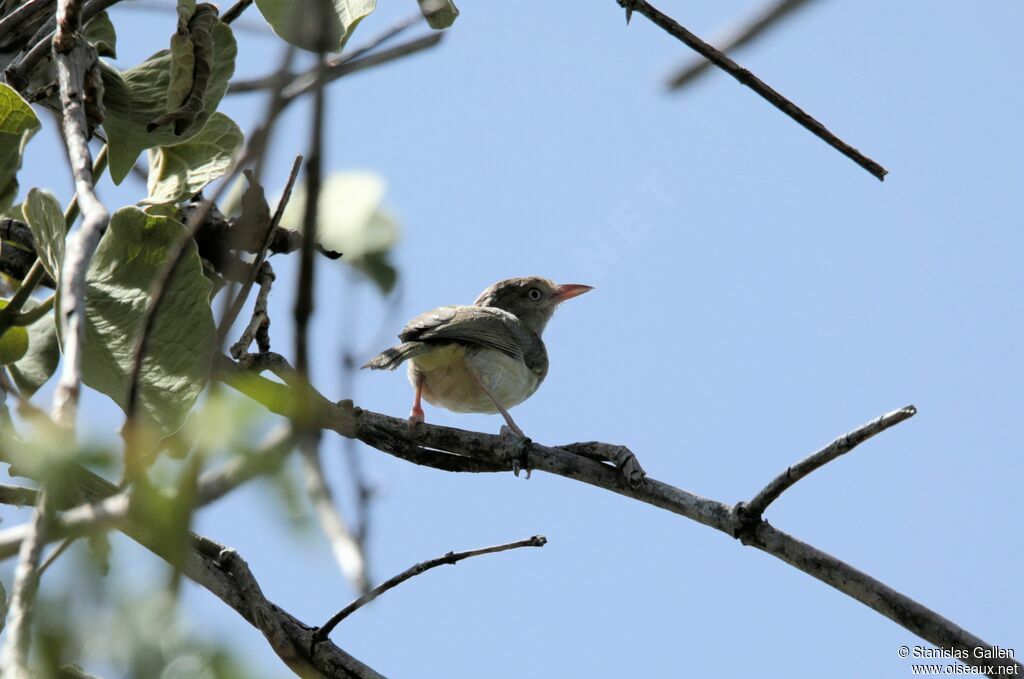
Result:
[
  {"x": 411, "y": 572},
  {"x": 260, "y": 321},
  {"x": 238, "y": 302},
  {"x": 842, "y": 445},
  {"x": 749, "y": 29},
  {"x": 348, "y": 552},
  {"x": 235, "y": 11},
  {"x": 340, "y": 68},
  {"x": 747, "y": 78},
  {"x": 76, "y": 61}
]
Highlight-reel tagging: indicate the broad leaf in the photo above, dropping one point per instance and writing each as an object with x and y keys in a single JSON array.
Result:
[
  {"x": 302, "y": 22},
  {"x": 138, "y": 96},
  {"x": 177, "y": 362},
  {"x": 32, "y": 370},
  {"x": 18, "y": 123},
  {"x": 180, "y": 171},
  {"x": 46, "y": 220},
  {"x": 439, "y": 13},
  {"x": 351, "y": 221},
  {"x": 99, "y": 32}
]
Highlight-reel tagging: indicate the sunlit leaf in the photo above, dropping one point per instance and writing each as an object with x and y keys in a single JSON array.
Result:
[
  {"x": 138, "y": 96},
  {"x": 17, "y": 125},
  {"x": 302, "y": 22},
  {"x": 45, "y": 218},
  {"x": 180, "y": 171},
  {"x": 177, "y": 363},
  {"x": 352, "y": 221},
  {"x": 100, "y": 33}
]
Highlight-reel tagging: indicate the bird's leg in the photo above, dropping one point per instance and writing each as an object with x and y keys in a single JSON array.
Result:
[
  {"x": 501, "y": 409},
  {"x": 416, "y": 416},
  {"x": 513, "y": 439}
]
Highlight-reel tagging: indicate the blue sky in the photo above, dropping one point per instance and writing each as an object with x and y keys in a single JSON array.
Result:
[{"x": 757, "y": 294}]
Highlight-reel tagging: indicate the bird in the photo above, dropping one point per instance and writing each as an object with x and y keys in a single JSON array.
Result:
[{"x": 483, "y": 358}]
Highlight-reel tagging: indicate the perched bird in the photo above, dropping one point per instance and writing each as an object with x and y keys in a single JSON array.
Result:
[{"x": 483, "y": 358}]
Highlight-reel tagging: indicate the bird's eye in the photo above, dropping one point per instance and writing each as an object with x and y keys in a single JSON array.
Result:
[{"x": 534, "y": 294}]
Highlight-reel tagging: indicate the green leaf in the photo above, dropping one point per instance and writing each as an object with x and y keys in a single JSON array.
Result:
[
  {"x": 46, "y": 220},
  {"x": 138, "y": 96},
  {"x": 32, "y": 370},
  {"x": 439, "y": 13},
  {"x": 301, "y": 22},
  {"x": 177, "y": 362},
  {"x": 99, "y": 32},
  {"x": 352, "y": 221},
  {"x": 180, "y": 171},
  {"x": 183, "y": 65},
  {"x": 18, "y": 122}
]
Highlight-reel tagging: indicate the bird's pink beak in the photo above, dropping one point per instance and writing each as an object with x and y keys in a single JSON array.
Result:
[{"x": 570, "y": 290}]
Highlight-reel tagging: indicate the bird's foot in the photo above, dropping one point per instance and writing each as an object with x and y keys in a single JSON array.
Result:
[
  {"x": 516, "y": 446},
  {"x": 416, "y": 417},
  {"x": 620, "y": 456}
]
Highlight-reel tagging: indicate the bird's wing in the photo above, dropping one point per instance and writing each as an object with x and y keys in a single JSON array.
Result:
[{"x": 481, "y": 326}]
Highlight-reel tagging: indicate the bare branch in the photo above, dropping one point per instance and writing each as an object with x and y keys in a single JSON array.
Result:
[
  {"x": 347, "y": 550},
  {"x": 21, "y": 68},
  {"x": 392, "y": 435},
  {"x": 450, "y": 558},
  {"x": 749, "y": 29},
  {"x": 14, "y": 656},
  {"x": 745, "y": 77},
  {"x": 235, "y": 11},
  {"x": 209, "y": 564},
  {"x": 842, "y": 445},
  {"x": 339, "y": 68},
  {"x": 255, "y": 272},
  {"x": 18, "y": 16},
  {"x": 76, "y": 61}
]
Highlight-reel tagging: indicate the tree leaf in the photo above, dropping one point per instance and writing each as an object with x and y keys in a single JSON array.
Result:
[
  {"x": 18, "y": 122},
  {"x": 46, "y": 220},
  {"x": 180, "y": 171},
  {"x": 32, "y": 370},
  {"x": 177, "y": 362},
  {"x": 299, "y": 21},
  {"x": 352, "y": 221},
  {"x": 138, "y": 96},
  {"x": 99, "y": 32},
  {"x": 439, "y": 13}
]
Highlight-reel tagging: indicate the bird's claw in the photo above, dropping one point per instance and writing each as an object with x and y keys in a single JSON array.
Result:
[
  {"x": 516, "y": 447},
  {"x": 415, "y": 418}
]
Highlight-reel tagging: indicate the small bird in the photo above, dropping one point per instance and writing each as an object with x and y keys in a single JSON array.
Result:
[{"x": 484, "y": 358}]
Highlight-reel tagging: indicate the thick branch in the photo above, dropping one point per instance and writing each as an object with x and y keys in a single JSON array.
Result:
[
  {"x": 673, "y": 28},
  {"x": 411, "y": 572},
  {"x": 393, "y": 435},
  {"x": 76, "y": 61}
]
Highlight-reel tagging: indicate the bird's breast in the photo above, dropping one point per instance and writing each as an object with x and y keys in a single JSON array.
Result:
[{"x": 448, "y": 382}]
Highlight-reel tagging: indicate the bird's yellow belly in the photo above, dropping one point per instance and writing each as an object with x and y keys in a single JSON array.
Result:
[{"x": 448, "y": 381}]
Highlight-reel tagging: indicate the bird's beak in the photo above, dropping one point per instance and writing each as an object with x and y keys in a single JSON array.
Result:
[{"x": 570, "y": 290}]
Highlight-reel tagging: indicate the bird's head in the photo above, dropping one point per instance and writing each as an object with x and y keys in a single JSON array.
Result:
[{"x": 532, "y": 299}]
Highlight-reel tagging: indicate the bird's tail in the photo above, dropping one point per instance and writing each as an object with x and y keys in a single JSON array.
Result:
[{"x": 389, "y": 359}]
